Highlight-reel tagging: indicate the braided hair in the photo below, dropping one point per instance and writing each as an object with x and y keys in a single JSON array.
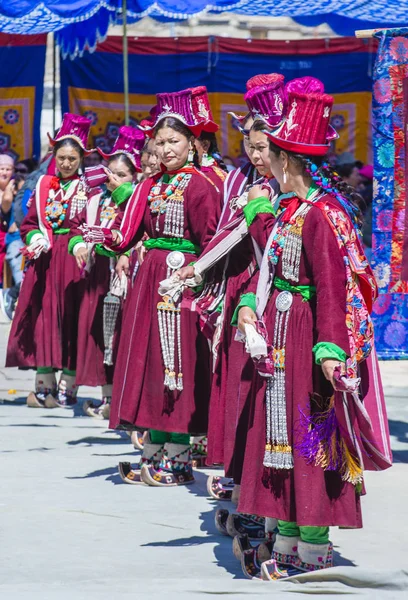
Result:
[
  {"x": 325, "y": 177},
  {"x": 213, "y": 148}
]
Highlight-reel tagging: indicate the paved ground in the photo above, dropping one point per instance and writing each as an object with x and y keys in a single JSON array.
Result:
[{"x": 70, "y": 529}]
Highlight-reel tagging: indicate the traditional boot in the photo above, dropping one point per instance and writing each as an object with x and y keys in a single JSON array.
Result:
[
  {"x": 250, "y": 565},
  {"x": 240, "y": 524},
  {"x": 45, "y": 387},
  {"x": 313, "y": 557},
  {"x": 220, "y": 520},
  {"x": 175, "y": 468},
  {"x": 220, "y": 488},
  {"x": 235, "y": 494},
  {"x": 66, "y": 393},
  {"x": 240, "y": 545},
  {"x": 198, "y": 450},
  {"x": 152, "y": 456},
  {"x": 285, "y": 550},
  {"x": 99, "y": 410}
]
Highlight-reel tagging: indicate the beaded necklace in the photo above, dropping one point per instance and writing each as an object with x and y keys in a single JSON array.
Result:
[
  {"x": 170, "y": 202},
  {"x": 287, "y": 241},
  {"x": 55, "y": 210}
]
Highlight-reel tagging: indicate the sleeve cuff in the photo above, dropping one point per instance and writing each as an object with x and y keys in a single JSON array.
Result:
[
  {"x": 73, "y": 242},
  {"x": 328, "y": 350},
  {"x": 33, "y": 236},
  {"x": 245, "y": 300},
  {"x": 255, "y": 207},
  {"x": 122, "y": 193}
]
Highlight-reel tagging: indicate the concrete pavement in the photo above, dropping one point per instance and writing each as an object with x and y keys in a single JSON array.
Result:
[{"x": 70, "y": 529}]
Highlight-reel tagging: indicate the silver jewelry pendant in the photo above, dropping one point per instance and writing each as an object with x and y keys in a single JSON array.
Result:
[
  {"x": 284, "y": 301},
  {"x": 175, "y": 260}
]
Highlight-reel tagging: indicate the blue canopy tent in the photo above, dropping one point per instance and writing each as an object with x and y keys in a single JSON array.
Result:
[{"x": 81, "y": 24}]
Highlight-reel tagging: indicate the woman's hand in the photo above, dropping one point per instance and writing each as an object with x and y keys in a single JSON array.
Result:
[
  {"x": 113, "y": 181},
  {"x": 257, "y": 191},
  {"x": 8, "y": 196},
  {"x": 122, "y": 266},
  {"x": 246, "y": 316},
  {"x": 81, "y": 257},
  {"x": 328, "y": 365},
  {"x": 185, "y": 273}
]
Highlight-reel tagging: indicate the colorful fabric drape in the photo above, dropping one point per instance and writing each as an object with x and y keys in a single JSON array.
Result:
[
  {"x": 390, "y": 211},
  {"x": 22, "y": 64}
]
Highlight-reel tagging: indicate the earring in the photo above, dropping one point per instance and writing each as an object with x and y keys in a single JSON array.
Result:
[
  {"x": 284, "y": 175},
  {"x": 205, "y": 162},
  {"x": 190, "y": 157}
]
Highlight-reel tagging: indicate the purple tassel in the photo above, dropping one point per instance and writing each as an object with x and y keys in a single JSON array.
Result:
[{"x": 320, "y": 441}]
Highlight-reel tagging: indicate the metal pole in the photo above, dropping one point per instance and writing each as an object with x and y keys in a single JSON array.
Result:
[
  {"x": 125, "y": 62},
  {"x": 54, "y": 83}
]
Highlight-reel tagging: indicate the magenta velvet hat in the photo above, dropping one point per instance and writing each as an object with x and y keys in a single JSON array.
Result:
[
  {"x": 75, "y": 127},
  {"x": 178, "y": 105},
  {"x": 265, "y": 99},
  {"x": 306, "y": 127},
  {"x": 202, "y": 109},
  {"x": 130, "y": 142}
]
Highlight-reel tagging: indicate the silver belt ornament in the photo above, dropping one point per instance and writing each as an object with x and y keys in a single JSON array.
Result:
[{"x": 278, "y": 452}]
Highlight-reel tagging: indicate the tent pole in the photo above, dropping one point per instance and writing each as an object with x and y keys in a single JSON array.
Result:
[
  {"x": 125, "y": 62},
  {"x": 367, "y": 33},
  {"x": 54, "y": 83}
]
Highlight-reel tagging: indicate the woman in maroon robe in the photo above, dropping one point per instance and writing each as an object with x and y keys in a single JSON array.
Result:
[
  {"x": 44, "y": 331},
  {"x": 162, "y": 376},
  {"x": 105, "y": 207},
  {"x": 310, "y": 436}
]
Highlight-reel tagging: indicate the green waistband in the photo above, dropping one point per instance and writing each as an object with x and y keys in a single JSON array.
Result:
[
  {"x": 171, "y": 244},
  {"x": 306, "y": 291},
  {"x": 60, "y": 231}
]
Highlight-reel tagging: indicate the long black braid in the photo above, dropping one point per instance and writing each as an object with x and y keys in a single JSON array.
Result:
[{"x": 325, "y": 177}]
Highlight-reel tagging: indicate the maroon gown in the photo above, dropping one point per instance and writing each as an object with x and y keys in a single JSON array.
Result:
[
  {"x": 91, "y": 369},
  {"x": 139, "y": 397},
  {"x": 306, "y": 494},
  {"x": 45, "y": 327}
]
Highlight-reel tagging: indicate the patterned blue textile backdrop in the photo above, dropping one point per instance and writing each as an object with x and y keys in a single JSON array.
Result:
[{"x": 390, "y": 214}]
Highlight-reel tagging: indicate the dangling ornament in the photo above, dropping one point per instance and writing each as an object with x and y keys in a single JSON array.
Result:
[{"x": 190, "y": 157}]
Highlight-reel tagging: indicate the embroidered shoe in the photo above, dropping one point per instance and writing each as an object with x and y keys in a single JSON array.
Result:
[
  {"x": 164, "y": 478},
  {"x": 240, "y": 524},
  {"x": 137, "y": 439},
  {"x": 220, "y": 520},
  {"x": 129, "y": 475},
  {"x": 273, "y": 571},
  {"x": 220, "y": 488},
  {"x": 250, "y": 565},
  {"x": 36, "y": 400},
  {"x": 240, "y": 544},
  {"x": 97, "y": 411}
]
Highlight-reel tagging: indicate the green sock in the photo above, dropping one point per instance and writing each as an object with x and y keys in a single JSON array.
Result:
[
  {"x": 314, "y": 535},
  {"x": 288, "y": 529},
  {"x": 45, "y": 370},
  {"x": 68, "y": 372},
  {"x": 158, "y": 437},
  {"x": 180, "y": 438}
]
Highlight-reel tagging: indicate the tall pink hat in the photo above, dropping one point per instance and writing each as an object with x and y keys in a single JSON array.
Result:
[
  {"x": 202, "y": 109},
  {"x": 265, "y": 99},
  {"x": 306, "y": 127},
  {"x": 130, "y": 142},
  {"x": 75, "y": 127},
  {"x": 178, "y": 105},
  {"x": 309, "y": 85}
]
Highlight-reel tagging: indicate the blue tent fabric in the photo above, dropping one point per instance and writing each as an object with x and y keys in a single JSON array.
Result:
[{"x": 82, "y": 23}]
